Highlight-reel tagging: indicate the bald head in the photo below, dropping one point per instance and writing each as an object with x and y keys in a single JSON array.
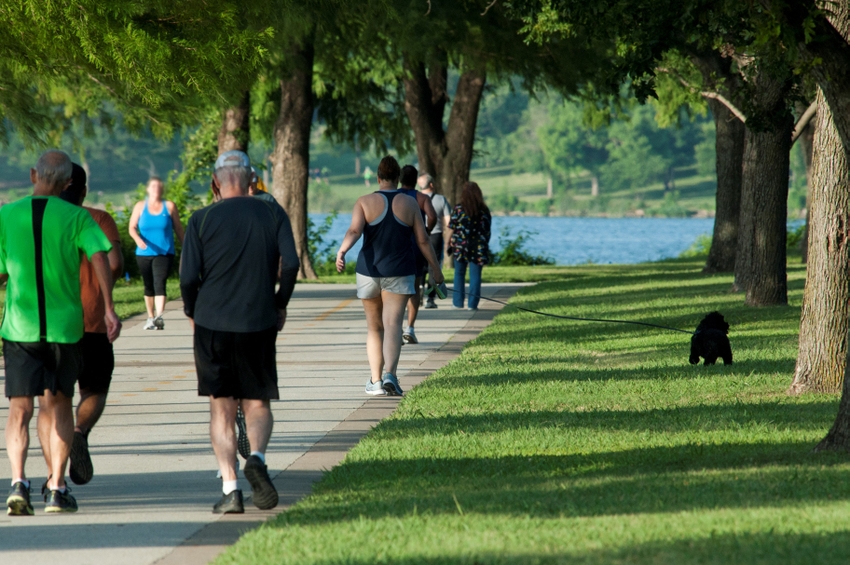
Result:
[{"x": 52, "y": 172}]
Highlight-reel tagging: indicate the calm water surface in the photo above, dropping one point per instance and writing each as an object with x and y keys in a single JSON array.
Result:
[{"x": 571, "y": 241}]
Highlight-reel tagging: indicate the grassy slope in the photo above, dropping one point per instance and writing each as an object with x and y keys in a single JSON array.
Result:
[
  {"x": 553, "y": 441},
  {"x": 695, "y": 192}
]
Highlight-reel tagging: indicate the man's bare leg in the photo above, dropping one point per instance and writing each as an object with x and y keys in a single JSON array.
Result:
[
  {"x": 259, "y": 421},
  {"x": 60, "y": 428},
  {"x": 223, "y": 436},
  {"x": 17, "y": 434},
  {"x": 89, "y": 410}
]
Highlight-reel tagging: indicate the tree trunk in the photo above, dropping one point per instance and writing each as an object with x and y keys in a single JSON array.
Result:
[
  {"x": 729, "y": 149},
  {"x": 761, "y": 255},
  {"x": 807, "y": 145},
  {"x": 594, "y": 186},
  {"x": 444, "y": 154},
  {"x": 718, "y": 76},
  {"x": 824, "y": 322},
  {"x": 291, "y": 156},
  {"x": 832, "y": 69},
  {"x": 549, "y": 188},
  {"x": 235, "y": 132}
]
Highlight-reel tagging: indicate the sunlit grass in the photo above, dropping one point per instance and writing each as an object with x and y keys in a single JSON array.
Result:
[{"x": 555, "y": 441}]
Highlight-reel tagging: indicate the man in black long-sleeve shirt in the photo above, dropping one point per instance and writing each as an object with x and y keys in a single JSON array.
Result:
[{"x": 229, "y": 267}]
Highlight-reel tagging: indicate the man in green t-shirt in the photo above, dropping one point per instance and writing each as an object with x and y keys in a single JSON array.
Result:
[{"x": 41, "y": 238}]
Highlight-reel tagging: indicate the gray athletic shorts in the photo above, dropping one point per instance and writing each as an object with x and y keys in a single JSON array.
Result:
[{"x": 371, "y": 287}]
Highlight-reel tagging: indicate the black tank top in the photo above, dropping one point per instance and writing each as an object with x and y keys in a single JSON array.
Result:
[{"x": 387, "y": 244}]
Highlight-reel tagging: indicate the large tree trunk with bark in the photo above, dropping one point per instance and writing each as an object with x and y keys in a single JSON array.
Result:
[
  {"x": 291, "y": 156},
  {"x": 718, "y": 76},
  {"x": 235, "y": 132},
  {"x": 760, "y": 268},
  {"x": 833, "y": 77},
  {"x": 807, "y": 141},
  {"x": 729, "y": 148},
  {"x": 824, "y": 323},
  {"x": 445, "y": 154}
]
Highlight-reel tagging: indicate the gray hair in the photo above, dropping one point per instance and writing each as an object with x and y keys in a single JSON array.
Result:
[
  {"x": 428, "y": 180},
  {"x": 240, "y": 176},
  {"x": 54, "y": 167}
]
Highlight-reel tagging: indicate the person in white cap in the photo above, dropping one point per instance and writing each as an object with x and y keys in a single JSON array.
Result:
[{"x": 229, "y": 269}]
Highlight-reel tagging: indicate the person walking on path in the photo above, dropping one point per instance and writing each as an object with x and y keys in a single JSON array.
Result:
[
  {"x": 258, "y": 189},
  {"x": 444, "y": 211},
  {"x": 408, "y": 186},
  {"x": 41, "y": 240},
  {"x": 95, "y": 347},
  {"x": 389, "y": 221},
  {"x": 230, "y": 266},
  {"x": 153, "y": 224},
  {"x": 469, "y": 233}
]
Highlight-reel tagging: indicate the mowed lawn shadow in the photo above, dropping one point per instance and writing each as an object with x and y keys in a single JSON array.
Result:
[{"x": 768, "y": 548}]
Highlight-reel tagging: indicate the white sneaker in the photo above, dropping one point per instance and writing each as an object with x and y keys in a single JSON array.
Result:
[
  {"x": 409, "y": 336},
  {"x": 150, "y": 325},
  {"x": 159, "y": 323}
]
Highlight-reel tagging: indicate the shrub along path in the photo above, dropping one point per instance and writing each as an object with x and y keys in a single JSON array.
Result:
[{"x": 551, "y": 441}]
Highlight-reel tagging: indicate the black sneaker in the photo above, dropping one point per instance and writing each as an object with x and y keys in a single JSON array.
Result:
[
  {"x": 81, "y": 470},
  {"x": 58, "y": 501},
  {"x": 242, "y": 442},
  {"x": 230, "y": 504},
  {"x": 18, "y": 501},
  {"x": 263, "y": 492}
]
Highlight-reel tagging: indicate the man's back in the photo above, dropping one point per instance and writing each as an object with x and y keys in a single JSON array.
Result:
[
  {"x": 230, "y": 264},
  {"x": 40, "y": 243}
]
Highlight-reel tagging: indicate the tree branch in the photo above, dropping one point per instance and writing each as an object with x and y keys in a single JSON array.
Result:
[
  {"x": 804, "y": 120},
  {"x": 704, "y": 93}
]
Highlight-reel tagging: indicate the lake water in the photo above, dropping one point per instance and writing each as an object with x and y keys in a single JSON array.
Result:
[{"x": 571, "y": 241}]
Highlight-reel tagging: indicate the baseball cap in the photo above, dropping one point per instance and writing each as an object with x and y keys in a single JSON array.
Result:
[{"x": 233, "y": 158}]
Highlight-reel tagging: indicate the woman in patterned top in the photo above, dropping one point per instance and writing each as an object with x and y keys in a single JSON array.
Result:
[{"x": 469, "y": 229}]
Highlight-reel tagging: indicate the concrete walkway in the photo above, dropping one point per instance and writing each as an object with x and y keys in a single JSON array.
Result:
[{"x": 155, "y": 474}]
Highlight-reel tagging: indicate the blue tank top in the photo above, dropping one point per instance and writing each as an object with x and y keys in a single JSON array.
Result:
[
  {"x": 387, "y": 244},
  {"x": 157, "y": 232}
]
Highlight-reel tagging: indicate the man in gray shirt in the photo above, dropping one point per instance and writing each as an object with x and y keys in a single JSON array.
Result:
[
  {"x": 444, "y": 212},
  {"x": 229, "y": 268}
]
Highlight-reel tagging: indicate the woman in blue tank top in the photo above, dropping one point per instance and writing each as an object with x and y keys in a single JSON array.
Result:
[
  {"x": 153, "y": 224},
  {"x": 390, "y": 223}
]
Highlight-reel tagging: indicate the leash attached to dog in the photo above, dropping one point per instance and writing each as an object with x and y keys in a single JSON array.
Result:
[{"x": 442, "y": 291}]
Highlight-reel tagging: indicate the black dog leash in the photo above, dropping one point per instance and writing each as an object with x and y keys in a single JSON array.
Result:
[{"x": 602, "y": 320}]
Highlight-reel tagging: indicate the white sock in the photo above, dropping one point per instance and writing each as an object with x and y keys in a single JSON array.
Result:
[
  {"x": 229, "y": 486},
  {"x": 26, "y": 482},
  {"x": 261, "y": 455},
  {"x": 63, "y": 490}
]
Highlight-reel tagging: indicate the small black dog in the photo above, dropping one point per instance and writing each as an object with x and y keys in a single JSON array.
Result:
[{"x": 710, "y": 341}]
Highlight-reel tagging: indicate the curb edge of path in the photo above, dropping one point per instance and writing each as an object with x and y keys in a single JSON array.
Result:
[{"x": 211, "y": 540}]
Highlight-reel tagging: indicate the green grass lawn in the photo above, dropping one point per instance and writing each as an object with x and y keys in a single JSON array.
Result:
[{"x": 551, "y": 441}]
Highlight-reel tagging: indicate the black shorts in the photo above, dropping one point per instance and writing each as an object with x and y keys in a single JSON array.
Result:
[
  {"x": 98, "y": 363},
  {"x": 236, "y": 364},
  {"x": 154, "y": 270},
  {"x": 33, "y": 367}
]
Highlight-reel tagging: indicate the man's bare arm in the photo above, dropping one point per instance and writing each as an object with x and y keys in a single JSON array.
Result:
[{"x": 100, "y": 262}]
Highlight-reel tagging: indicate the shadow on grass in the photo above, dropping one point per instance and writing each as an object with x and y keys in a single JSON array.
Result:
[
  {"x": 710, "y": 417},
  {"x": 768, "y": 548},
  {"x": 635, "y": 481}
]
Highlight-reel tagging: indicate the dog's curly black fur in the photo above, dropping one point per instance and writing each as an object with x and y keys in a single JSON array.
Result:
[{"x": 710, "y": 341}]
